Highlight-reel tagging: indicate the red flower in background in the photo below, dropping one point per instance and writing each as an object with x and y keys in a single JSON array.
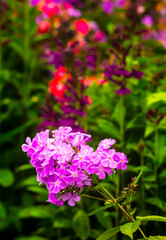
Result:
[
  {"x": 60, "y": 74},
  {"x": 57, "y": 84},
  {"x": 82, "y": 26},
  {"x": 44, "y": 27},
  {"x": 57, "y": 89},
  {"x": 50, "y": 8}
]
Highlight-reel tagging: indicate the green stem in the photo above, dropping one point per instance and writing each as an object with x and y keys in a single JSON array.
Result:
[
  {"x": 0, "y": 53},
  {"x": 123, "y": 210},
  {"x": 117, "y": 190},
  {"x": 156, "y": 141},
  {"x": 121, "y": 120},
  {"x": 85, "y": 195},
  {"x": 156, "y": 164},
  {"x": 118, "y": 178},
  {"x": 26, "y": 47},
  {"x": 142, "y": 184}
]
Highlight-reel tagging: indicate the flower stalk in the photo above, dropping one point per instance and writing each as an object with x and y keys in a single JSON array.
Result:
[{"x": 130, "y": 217}]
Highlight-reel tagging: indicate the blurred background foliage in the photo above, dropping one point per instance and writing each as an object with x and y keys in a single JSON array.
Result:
[{"x": 137, "y": 122}]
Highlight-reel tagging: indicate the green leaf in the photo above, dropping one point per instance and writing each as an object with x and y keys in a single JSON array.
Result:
[
  {"x": 3, "y": 214},
  {"x": 108, "y": 128},
  {"x": 104, "y": 218},
  {"x": 138, "y": 177},
  {"x": 155, "y": 98},
  {"x": 17, "y": 45},
  {"x": 156, "y": 202},
  {"x": 62, "y": 223},
  {"x": 39, "y": 190},
  {"x": 29, "y": 181},
  {"x": 24, "y": 167},
  {"x": 7, "y": 136},
  {"x": 35, "y": 212},
  {"x": 6, "y": 178},
  {"x": 157, "y": 238},
  {"x": 149, "y": 129},
  {"x": 100, "y": 209},
  {"x": 81, "y": 225},
  {"x": 152, "y": 218},
  {"x": 109, "y": 233},
  {"x": 129, "y": 228},
  {"x": 31, "y": 238}
]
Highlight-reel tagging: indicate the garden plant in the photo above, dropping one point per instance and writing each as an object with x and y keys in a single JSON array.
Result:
[{"x": 86, "y": 81}]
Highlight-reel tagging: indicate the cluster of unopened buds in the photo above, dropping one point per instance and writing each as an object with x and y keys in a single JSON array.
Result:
[{"x": 66, "y": 164}]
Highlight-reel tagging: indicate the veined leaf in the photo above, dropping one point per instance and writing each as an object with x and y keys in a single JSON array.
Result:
[
  {"x": 6, "y": 178},
  {"x": 24, "y": 167},
  {"x": 109, "y": 233},
  {"x": 101, "y": 209},
  {"x": 35, "y": 212},
  {"x": 81, "y": 225},
  {"x": 129, "y": 228},
  {"x": 138, "y": 177},
  {"x": 155, "y": 98}
]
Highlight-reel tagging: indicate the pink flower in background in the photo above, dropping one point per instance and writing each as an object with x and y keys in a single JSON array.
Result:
[
  {"x": 147, "y": 20},
  {"x": 82, "y": 26},
  {"x": 34, "y": 2}
]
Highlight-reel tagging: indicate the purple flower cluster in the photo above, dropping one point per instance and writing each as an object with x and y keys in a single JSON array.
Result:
[
  {"x": 66, "y": 164},
  {"x": 118, "y": 71}
]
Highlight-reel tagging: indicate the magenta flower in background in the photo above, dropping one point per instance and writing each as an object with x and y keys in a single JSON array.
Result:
[
  {"x": 108, "y": 6},
  {"x": 147, "y": 20},
  {"x": 34, "y": 2}
]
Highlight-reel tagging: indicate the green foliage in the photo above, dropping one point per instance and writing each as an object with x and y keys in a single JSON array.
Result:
[
  {"x": 126, "y": 229},
  {"x": 24, "y": 83},
  {"x": 129, "y": 228},
  {"x": 6, "y": 178},
  {"x": 152, "y": 218},
  {"x": 101, "y": 209},
  {"x": 109, "y": 233},
  {"x": 81, "y": 225}
]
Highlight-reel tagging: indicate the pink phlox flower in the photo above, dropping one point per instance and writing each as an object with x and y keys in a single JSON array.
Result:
[
  {"x": 79, "y": 138},
  {"x": 44, "y": 157},
  {"x": 72, "y": 198},
  {"x": 60, "y": 172},
  {"x": 107, "y": 159},
  {"x": 50, "y": 143},
  {"x": 65, "y": 153},
  {"x": 105, "y": 144},
  {"x": 75, "y": 176},
  {"x": 25, "y": 147},
  {"x": 86, "y": 149},
  {"x": 55, "y": 187},
  {"x": 53, "y": 198},
  {"x": 62, "y": 133},
  {"x": 81, "y": 159},
  {"x": 57, "y": 148},
  {"x": 121, "y": 159},
  {"x": 44, "y": 171},
  {"x": 101, "y": 171}
]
